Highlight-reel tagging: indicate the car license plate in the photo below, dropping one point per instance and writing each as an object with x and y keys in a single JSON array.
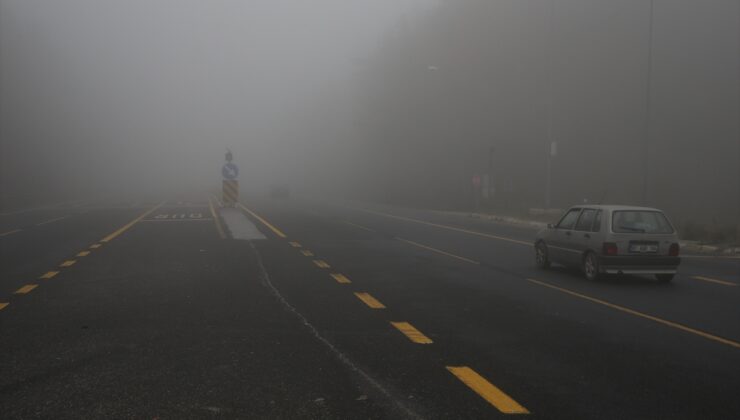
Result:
[{"x": 643, "y": 248}]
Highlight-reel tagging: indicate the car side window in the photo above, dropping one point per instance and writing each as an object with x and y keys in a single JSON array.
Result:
[
  {"x": 586, "y": 221},
  {"x": 597, "y": 222},
  {"x": 569, "y": 220}
]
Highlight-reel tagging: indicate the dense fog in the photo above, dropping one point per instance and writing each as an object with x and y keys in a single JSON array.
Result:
[
  {"x": 402, "y": 102},
  {"x": 137, "y": 94}
]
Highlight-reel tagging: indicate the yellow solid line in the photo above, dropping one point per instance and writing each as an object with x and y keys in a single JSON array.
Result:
[
  {"x": 321, "y": 264},
  {"x": 359, "y": 226},
  {"x": 295, "y": 244},
  {"x": 131, "y": 223},
  {"x": 643, "y": 315},
  {"x": 49, "y": 275},
  {"x": 25, "y": 289},
  {"x": 471, "y": 232},
  {"x": 412, "y": 333},
  {"x": 711, "y": 280},
  {"x": 95, "y": 246},
  {"x": 307, "y": 253},
  {"x": 340, "y": 278},
  {"x": 3, "y": 305},
  {"x": 83, "y": 253},
  {"x": 68, "y": 263},
  {"x": 487, "y": 390},
  {"x": 369, "y": 300},
  {"x": 263, "y": 221},
  {"x": 10, "y": 232},
  {"x": 219, "y": 229},
  {"x": 439, "y": 251}
]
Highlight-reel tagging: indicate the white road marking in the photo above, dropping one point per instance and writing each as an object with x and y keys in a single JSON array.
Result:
[{"x": 239, "y": 226}]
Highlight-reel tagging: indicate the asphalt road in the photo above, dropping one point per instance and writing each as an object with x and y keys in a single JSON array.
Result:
[{"x": 149, "y": 310}]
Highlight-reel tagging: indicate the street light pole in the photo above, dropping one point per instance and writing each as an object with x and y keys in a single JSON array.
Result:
[
  {"x": 648, "y": 110},
  {"x": 548, "y": 182},
  {"x": 550, "y": 105},
  {"x": 548, "y": 188},
  {"x": 490, "y": 175}
]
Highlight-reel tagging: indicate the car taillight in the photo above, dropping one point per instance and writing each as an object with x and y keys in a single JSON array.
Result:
[
  {"x": 610, "y": 248},
  {"x": 674, "y": 250}
]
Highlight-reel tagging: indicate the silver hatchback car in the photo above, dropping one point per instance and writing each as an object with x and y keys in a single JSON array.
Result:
[{"x": 611, "y": 240}]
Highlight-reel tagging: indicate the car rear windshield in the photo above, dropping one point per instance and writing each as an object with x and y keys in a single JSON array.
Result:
[{"x": 640, "y": 221}]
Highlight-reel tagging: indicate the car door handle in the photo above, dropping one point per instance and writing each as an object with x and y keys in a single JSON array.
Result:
[
  {"x": 586, "y": 235},
  {"x": 567, "y": 233}
]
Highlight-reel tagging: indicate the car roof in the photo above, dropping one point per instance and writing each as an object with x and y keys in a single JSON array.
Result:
[{"x": 613, "y": 207}]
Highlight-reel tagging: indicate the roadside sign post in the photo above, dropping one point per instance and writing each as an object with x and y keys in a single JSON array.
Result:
[
  {"x": 548, "y": 184},
  {"x": 476, "y": 180},
  {"x": 230, "y": 173}
]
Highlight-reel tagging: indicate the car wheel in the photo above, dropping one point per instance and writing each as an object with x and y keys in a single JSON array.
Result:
[
  {"x": 664, "y": 278},
  {"x": 540, "y": 256},
  {"x": 591, "y": 266}
]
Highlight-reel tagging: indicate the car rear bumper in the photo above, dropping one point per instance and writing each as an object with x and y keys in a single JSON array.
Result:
[{"x": 639, "y": 265}]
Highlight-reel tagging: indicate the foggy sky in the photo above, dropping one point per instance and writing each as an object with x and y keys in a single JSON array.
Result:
[
  {"x": 513, "y": 75},
  {"x": 384, "y": 100},
  {"x": 138, "y": 92}
]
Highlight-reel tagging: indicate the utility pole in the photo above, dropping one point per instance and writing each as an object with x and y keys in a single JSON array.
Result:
[
  {"x": 490, "y": 186},
  {"x": 648, "y": 110},
  {"x": 548, "y": 183},
  {"x": 548, "y": 187},
  {"x": 550, "y": 105}
]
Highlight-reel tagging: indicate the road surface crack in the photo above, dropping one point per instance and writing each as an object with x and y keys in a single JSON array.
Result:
[{"x": 343, "y": 358}]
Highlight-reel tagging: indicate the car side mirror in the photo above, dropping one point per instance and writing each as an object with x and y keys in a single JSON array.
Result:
[{"x": 550, "y": 226}]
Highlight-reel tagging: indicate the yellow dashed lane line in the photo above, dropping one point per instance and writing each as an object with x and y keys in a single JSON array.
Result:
[
  {"x": 321, "y": 264},
  {"x": 49, "y": 274},
  {"x": 369, "y": 300},
  {"x": 412, "y": 333},
  {"x": 487, "y": 390},
  {"x": 340, "y": 278},
  {"x": 25, "y": 289},
  {"x": 477, "y": 383}
]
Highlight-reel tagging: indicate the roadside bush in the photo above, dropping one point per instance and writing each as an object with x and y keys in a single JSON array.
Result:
[{"x": 713, "y": 234}]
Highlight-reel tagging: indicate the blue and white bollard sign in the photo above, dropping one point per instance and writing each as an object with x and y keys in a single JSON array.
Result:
[{"x": 230, "y": 171}]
